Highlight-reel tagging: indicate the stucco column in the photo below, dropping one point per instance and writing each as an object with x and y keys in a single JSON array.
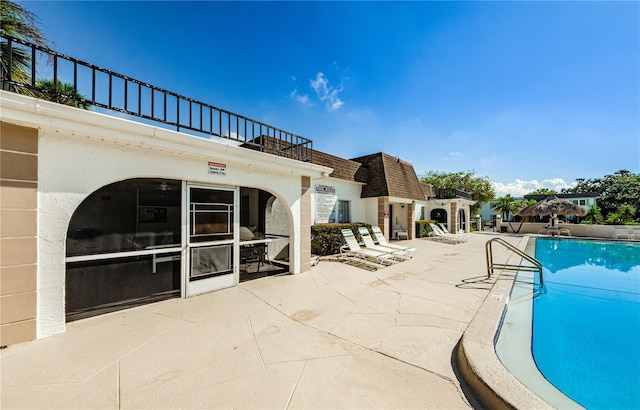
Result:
[
  {"x": 305, "y": 225},
  {"x": 453, "y": 211},
  {"x": 18, "y": 236},
  {"x": 383, "y": 216},
  {"x": 410, "y": 222}
]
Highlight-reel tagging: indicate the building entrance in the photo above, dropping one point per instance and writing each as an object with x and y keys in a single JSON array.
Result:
[{"x": 210, "y": 240}]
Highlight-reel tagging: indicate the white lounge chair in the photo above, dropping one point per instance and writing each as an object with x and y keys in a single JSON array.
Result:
[
  {"x": 382, "y": 241},
  {"x": 352, "y": 248},
  {"x": 441, "y": 236},
  {"x": 444, "y": 229},
  {"x": 370, "y": 244}
]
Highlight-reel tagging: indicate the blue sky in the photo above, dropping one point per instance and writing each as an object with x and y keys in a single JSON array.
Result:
[{"x": 529, "y": 94}]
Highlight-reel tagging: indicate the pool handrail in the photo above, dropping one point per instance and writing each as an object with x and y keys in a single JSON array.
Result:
[{"x": 537, "y": 266}]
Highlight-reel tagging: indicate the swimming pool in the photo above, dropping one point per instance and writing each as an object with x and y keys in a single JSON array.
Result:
[{"x": 584, "y": 329}]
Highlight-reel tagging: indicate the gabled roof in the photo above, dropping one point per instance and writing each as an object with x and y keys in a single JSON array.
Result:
[
  {"x": 342, "y": 168},
  {"x": 382, "y": 174},
  {"x": 389, "y": 176},
  {"x": 428, "y": 190}
]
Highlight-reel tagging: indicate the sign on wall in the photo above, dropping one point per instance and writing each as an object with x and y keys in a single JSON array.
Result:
[
  {"x": 217, "y": 168},
  {"x": 326, "y": 200}
]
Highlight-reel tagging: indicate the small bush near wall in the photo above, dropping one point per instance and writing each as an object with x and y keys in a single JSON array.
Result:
[
  {"x": 326, "y": 239},
  {"x": 422, "y": 227}
]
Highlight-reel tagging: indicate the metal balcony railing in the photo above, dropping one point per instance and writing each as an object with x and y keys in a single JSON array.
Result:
[
  {"x": 452, "y": 193},
  {"x": 87, "y": 85}
]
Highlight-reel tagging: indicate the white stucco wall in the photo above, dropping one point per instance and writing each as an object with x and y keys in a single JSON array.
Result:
[
  {"x": 344, "y": 191},
  {"x": 81, "y": 151},
  {"x": 371, "y": 210}
]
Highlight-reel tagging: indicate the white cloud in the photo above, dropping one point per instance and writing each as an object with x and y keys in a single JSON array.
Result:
[
  {"x": 453, "y": 155},
  {"x": 327, "y": 93},
  {"x": 519, "y": 188},
  {"x": 301, "y": 98}
]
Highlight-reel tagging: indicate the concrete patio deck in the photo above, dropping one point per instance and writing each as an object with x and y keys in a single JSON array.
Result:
[{"x": 338, "y": 336}]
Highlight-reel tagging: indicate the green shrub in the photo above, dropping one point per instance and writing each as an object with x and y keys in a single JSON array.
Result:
[
  {"x": 326, "y": 239},
  {"x": 422, "y": 227}
]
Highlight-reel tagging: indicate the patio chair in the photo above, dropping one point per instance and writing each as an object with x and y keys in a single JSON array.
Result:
[
  {"x": 370, "y": 244},
  {"x": 439, "y": 235},
  {"x": 352, "y": 248},
  {"x": 565, "y": 231},
  {"x": 621, "y": 232},
  {"x": 400, "y": 232},
  {"x": 543, "y": 230},
  {"x": 382, "y": 241}
]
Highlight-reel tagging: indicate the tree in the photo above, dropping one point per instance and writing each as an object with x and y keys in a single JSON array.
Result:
[
  {"x": 480, "y": 188},
  {"x": 543, "y": 191},
  {"x": 593, "y": 215},
  {"x": 626, "y": 212},
  {"x": 20, "y": 23},
  {"x": 620, "y": 188},
  {"x": 507, "y": 205},
  {"x": 64, "y": 93}
]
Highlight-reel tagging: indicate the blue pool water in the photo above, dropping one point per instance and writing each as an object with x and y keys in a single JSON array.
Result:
[{"x": 586, "y": 327}]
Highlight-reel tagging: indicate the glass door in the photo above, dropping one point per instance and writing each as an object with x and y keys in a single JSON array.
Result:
[{"x": 210, "y": 239}]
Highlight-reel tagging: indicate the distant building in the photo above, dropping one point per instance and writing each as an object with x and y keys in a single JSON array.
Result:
[{"x": 585, "y": 200}]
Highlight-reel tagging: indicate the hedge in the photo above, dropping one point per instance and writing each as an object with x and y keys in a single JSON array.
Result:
[
  {"x": 422, "y": 228},
  {"x": 326, "y": 239}
]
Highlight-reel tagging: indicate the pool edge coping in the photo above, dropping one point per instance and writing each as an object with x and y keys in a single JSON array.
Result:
[{"x": 494, "y": 386}]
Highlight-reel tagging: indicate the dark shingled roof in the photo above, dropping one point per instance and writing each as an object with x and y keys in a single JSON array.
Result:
[
  {"x": 389, "y": 176},
  {"x": 382, "y": 174},
  {"x": 342, "y": 168},
  {"x": 540, "y": 197},
  {"x": 428, "y": 190}
]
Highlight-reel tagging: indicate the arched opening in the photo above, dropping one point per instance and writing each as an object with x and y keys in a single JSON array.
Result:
[
  {"x": 264, "y": 235},
  {"x": 462, "y": 220},
  {"x": 439, "y": 215},
  {"x": 123, "y": 247},
  {"x": 127, "y": 246}
]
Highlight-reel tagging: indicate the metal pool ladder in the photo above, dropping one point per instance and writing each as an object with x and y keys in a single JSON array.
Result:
[{"x": 537, "y": 267}]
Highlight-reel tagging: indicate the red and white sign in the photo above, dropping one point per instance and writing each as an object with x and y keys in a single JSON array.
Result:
[
  {"x": 217, "y": 168},
  {"x": 325, "y": 189}
]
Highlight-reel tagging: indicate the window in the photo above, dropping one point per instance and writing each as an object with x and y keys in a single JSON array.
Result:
[
  {"x": 344, "y": 212},
  {"x": 582, "y": 202},
  {"x": 211, "y": 215}
]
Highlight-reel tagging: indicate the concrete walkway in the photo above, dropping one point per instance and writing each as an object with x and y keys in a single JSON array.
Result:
[{"x": 339, "y": 336}]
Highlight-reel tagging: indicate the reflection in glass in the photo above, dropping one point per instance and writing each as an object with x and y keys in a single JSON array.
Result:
[{"x": 125, "y": 216}]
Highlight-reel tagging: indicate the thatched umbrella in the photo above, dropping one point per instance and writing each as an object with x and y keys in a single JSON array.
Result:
[{"x": 554, "y": 206}]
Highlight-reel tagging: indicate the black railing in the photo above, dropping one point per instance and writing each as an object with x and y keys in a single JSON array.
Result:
[
  {"x": 452, "y": 193},
  {"x": 90, "y": 85}
]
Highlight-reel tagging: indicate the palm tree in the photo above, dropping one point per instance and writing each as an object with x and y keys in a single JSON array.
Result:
[
  {"x": 593, "y": 214},
  {"x": 64, "y": 93},
  {"x": 20, "y": 23},
  {"x": 507, "y": 205},
  {"x": 626, "y": 212}
]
